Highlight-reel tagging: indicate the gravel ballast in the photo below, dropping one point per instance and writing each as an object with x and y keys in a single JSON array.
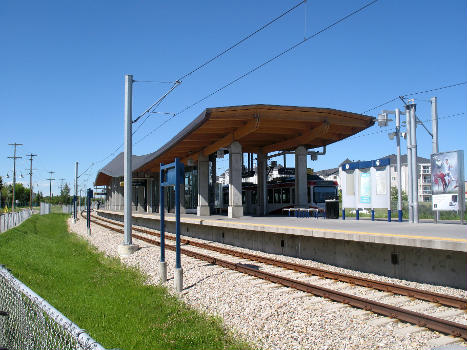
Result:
[{"x": 267, "y": 315}]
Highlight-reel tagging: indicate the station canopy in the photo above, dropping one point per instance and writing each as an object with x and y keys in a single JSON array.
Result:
[{"x": 258, "y": 128}]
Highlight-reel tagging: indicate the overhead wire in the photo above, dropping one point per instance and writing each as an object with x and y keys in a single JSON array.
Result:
[
  {"x": 415, "y": 93},
  {"x": 241, "y": 41},
  {"x": 178, "y": 81},
  {"x": 262, "y": 65},
  {"x": 455, "y": 115}
]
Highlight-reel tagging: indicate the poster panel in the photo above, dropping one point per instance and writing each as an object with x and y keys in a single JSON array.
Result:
[
  {"x": 381, "y": 183},
  {"x": 447, "y": 180},
  {"x": 365, "y": 187}
]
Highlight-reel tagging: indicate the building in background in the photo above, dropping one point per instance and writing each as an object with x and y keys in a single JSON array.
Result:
[{"x": 424, "y": 175}]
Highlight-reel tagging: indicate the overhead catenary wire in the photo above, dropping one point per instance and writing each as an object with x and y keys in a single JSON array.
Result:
[
  {"x": 179, "y": 80},
  {"x": 455, "y": 115},
  {"x": 241, "y": 41},
  {"x": 261, "y": 66},
  {"x": 415, "y": 93},
  {"x": 198, "y": 68}
]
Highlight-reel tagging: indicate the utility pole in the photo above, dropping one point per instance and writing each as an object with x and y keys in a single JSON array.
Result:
[
  {"x": 31, "y": 156},
  {"x": 61, "y": 183},
  {"x": 435, "y": 146},
  {"x": 76, "y": 193},
  {"x": 127, "y": 247},
  {"x": 14, "y": 173},
  {"x": 50, "y": 185}
]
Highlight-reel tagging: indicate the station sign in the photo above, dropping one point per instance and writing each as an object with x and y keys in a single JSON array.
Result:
[{"x": 447, "y": 181}]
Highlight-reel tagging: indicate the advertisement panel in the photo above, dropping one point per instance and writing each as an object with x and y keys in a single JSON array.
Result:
[
  {"x": 447, "y": 182},
  {"x": 365, "y": 187}
]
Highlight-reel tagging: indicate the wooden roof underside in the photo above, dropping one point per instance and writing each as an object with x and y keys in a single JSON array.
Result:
[{"x": 259, "y": 128}]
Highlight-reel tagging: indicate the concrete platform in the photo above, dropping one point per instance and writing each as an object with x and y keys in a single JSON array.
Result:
[{"x": 425, "y": 252}]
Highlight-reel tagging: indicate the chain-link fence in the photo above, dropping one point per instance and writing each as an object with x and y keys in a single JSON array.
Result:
[
  {"x": 67, "y": 208},
  {"x": 10, "y": 220},
  {"x": 28, "y": 322}
]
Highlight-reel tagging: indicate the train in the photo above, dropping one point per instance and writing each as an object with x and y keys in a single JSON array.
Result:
[{"x": 280, "y": 194}]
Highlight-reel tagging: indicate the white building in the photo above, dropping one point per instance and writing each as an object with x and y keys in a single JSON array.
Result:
[{"x": 424, "y": 175}]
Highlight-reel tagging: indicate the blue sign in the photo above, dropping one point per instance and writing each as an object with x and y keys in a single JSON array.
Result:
[
  {"x": 366, "y": 164},
  {"x": 172, "y": 174}
]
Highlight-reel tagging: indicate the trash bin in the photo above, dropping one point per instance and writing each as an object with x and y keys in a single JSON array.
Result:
[{"x": 332, "y": 208}]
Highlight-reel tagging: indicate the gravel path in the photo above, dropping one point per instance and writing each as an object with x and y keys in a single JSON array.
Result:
[{"x": 269, "y": 316}]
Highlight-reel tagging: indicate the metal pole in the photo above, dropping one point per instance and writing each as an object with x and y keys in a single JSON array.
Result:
[
  {"x": 127, "y": 248},
  {"x": 162, "y": 263},
  {"x": 178, "y": 264},
  {"x": 398, "y": 160},
  {"x": 409, "y": 165},
  {"x": 127, "y": 160},
  {"x": 178, "y": 278},
  {"x": 413, "y": 134},
  {"x": 435, "y": 146}
]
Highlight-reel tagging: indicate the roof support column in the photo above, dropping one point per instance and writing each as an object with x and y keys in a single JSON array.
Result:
[
  {"x": 261, "y": 168},
  {"x": 235, "y": 180},
  {"x": 301, "y": 180},
  {"x": 203, "y": 186},
  {"x": 149, "y": 190}
]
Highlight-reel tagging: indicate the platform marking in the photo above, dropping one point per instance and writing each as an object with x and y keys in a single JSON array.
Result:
[
  {"x": 335, "y": 230},
  {"x": 202, "y": 221}
]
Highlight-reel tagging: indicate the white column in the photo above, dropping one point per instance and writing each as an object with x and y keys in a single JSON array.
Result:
[
  {"x": 203, "y": 186},
  {"x": 301, "y": 196},
  {"x": 235, "y": 180},
  {"x": 262, "y": 194},
  {"x": 149, "y": 204}
]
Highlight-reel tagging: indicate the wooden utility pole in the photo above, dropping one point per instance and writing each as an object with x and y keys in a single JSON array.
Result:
[
  {"x": 50, "y": 185},
  {"x": 31, "y": 156},
  {"x": 14, "y": 173}
]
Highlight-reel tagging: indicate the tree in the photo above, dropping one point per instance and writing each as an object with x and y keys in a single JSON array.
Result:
[
  {"x": 65, "y": 194},
  {"x": 21, "y": 194},
  {"x": 39, "y": 197},
  {"x": 404, "y": 196}
]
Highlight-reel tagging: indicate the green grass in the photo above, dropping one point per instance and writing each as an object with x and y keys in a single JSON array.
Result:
[{"x": 100, "y": 295}]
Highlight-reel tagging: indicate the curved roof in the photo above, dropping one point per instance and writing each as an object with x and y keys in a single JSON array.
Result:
[
  {"x": 115, "y": 167},
  {"x": 258, "y": 128}
]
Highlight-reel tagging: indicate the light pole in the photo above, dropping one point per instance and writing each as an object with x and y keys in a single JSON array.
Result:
[
  {"x": 435, "y": 145},
  {"x": 383, "y": 121},
  {"x": 413, "y": 140}
]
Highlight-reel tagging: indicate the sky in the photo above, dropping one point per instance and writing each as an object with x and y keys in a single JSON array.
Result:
[{"x": 63, "y": 65}]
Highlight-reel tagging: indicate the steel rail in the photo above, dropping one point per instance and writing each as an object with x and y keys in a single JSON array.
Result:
[
  {"x": 422, "y": 320},
  {"x": 438, "y": 298}
]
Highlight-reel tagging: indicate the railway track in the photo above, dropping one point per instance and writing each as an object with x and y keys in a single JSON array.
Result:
[{"x": 420, "y": 319}]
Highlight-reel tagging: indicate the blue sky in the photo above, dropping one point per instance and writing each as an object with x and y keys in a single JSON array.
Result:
[{"x": 63, "y": 65}]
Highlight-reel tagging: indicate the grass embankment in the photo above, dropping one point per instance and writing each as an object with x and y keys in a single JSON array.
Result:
[{"x": 100, "y": 295}]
